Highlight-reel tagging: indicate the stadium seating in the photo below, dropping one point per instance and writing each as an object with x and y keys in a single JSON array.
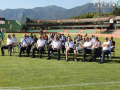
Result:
[
  {"x": 32, "y": 30},
  {"x": 116, "y": 25},
  {"x": 89, "y": 31},
  {"x": 73, "y": 31},
  {"x": 12, "y": 25},
  {"x": 58, "y": 30},
  {"x": 116, "y": 32}
]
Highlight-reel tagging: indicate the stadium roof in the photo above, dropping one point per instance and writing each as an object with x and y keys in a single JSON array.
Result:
[
  {"x": 71, "y": 20},
  {"x": 117, "y": 18}
]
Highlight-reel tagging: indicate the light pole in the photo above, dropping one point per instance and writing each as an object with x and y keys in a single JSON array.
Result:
[{"x": 98, "y": 7}]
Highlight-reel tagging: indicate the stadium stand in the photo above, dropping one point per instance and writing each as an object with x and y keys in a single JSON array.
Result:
[
  {"x": 116, "y": 25},
  {"x": 89, "y": 31},
  {"x": 32, "y": 30},
  {"x": 55, "y": 30},
  {"x": 73, "y": 31},
  {"x": 12, "y": 25},
  {"x": 117, "y": 32}
]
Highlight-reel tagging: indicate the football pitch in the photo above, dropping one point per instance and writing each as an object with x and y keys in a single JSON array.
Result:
[{"x": 41, "y": 74}]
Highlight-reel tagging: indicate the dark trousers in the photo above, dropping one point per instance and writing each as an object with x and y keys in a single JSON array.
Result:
[
  {"x": 41, "y": 49},
  {"x": 95, "y": 50},
  {"x": 63, "y": 48},
  {"x": 103, "y": 54},
  {"x": 86, "y": 51},
  {"x": 24, "y": 48},
  {"x": 51, "y": 49},
  {"x": 6, "y": 47}
]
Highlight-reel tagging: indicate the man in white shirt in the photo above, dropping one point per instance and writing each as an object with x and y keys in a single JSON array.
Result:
[
  {"x": 25, "y": 45},
  {"x": 31, "y": 41},
  {"x": 69, "y": 45},
  {"x": 87, "y": 48},
  {"x": 106, "y": 50},
  {"x": 39, "y": 47},
  {"x": 9, "y": 45},
  {"x": 56, "y": 45}
]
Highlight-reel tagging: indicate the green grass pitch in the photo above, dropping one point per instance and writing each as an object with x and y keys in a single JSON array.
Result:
[{"x": 43, "y": 74}]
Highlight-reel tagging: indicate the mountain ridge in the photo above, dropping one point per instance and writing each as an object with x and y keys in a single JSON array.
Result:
[{"x": 51, "y": 12}]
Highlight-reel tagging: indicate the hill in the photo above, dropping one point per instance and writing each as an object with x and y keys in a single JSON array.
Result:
[{"x": 51, "y": 12}]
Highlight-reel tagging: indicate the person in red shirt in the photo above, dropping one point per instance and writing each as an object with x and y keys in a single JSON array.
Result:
[{"x": 45, "y": 37}]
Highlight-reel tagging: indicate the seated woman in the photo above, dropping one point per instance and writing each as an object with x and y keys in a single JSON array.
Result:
[
  {"x": 87, "y": 48},
  {"x": 56, "y": 45},
  {"x": 97, "y": 46},
  {"x": 69, "y": 45}
]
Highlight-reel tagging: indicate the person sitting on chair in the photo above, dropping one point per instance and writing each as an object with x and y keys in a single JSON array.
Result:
[
  {"x": 34, "y": 39},
  {"x": 87, "y": 48},
  {"x": 69, "y": 45},
  {"x": 45, "y": 37},
  {"x": 78, "y": 48},
  {"x": 49, "y": 41},
  {"x": 97, "y": 46},
  {"x": 25, "y": 45},
  {"x": 112, "y": 46},
  {"x": 56, "y": 45},
  {"x": 31, "y": 35},
  {"x": 39, "y": 47},
  {"x": 8, "y": 46},
  {"x": 15, "y": 42},
  {"x": 106, "y": 50}
]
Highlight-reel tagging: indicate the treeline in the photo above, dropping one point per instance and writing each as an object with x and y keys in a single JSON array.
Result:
[{"x": 115, "y": 12}]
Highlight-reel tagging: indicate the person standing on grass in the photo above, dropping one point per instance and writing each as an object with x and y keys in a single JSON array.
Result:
[
  {"x": 8, "y": 46},
  {"x": 2, "y": 36}
]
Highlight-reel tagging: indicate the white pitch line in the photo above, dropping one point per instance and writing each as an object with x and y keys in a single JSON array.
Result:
[{"x": 82, "y": 84}]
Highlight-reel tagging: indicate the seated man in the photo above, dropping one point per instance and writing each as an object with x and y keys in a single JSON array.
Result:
[
  {"x": 31, "y": 41},
  {"x": 87, "y": 48},
  {"x": 34, "y": 39},
  {"x": 25, "y": 45},
  {"x": 78, "y": 46},
  {"x": 106, "y": 50},
  {"x": 69, "y": 45},
  {"x": 39, "y": 47},
  {"x": 112, "y": 46},
  {"x": 9, "y": 45},
  {"x": 56, "y": 45},
  {"x": 76, "y": 38}
]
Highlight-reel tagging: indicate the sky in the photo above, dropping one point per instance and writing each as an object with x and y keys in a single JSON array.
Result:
[{"x": 29, "y": 4}]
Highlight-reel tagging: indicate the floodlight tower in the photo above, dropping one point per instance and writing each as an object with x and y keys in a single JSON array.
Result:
[{"x": 98, "y": 7}]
